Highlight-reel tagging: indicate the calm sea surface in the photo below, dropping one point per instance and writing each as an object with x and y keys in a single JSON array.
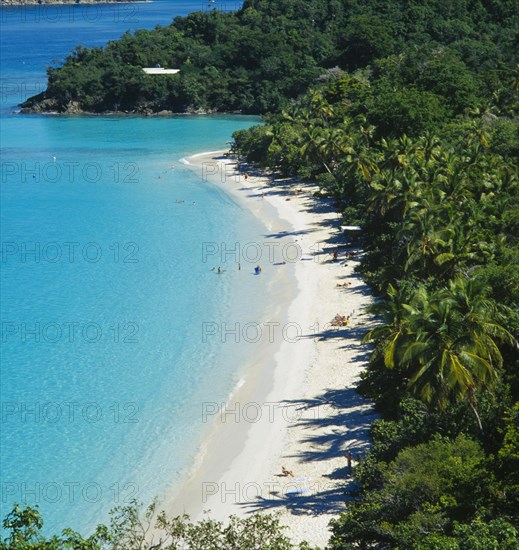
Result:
[{"x": 111, "y": 314}]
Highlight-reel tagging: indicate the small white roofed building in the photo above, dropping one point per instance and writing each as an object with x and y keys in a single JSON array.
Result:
[
  {"x": 160, "y": 70},
  {"x": 351, "y": 228}
]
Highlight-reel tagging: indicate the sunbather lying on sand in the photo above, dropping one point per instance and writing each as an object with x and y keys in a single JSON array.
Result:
[
  {"x": 342, "y": 285},
  {"x": 340, "y": 321},
  {"x": 286, "y": 472}
]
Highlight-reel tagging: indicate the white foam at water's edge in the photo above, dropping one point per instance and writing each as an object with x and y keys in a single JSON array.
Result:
[
  {"x": 238, "y": 385},
  {"x": 185, "y": 161},
  {"x": 221, "y": 151}
]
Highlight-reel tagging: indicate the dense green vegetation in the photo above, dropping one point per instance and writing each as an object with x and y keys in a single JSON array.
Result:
[
  {"x": 134, "y": 528},
  {"x": 420, "y": 147},
  {"x": 440, "y": 211},
  {"x": 406, "y": 113},
  {"x": 270, "y": 51}
]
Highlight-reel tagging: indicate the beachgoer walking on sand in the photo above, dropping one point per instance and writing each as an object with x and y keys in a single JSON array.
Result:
[
  {"x": 239, "y": 266},
  {"x": 246, "y": 176}
]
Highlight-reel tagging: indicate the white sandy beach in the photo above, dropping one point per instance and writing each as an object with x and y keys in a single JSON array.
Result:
[{"x": 296, "y": 406}]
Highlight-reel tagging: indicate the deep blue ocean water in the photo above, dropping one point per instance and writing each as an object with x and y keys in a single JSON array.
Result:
[{"x": 104, "y": 286}]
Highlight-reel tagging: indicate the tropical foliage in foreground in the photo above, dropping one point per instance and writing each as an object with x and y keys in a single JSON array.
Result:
[{"x": 134, "y": 528}]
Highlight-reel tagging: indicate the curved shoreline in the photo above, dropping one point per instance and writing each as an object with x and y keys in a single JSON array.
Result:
[
  {"x": 125, "y": 114},
  {"x": 304, "y": 387},
  {"x": 256, "y": 378}
]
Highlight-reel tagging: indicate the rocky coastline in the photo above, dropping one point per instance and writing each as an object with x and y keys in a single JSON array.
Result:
[{"x": 39, "y": 105}]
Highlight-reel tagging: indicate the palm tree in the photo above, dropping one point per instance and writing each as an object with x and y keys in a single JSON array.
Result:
[
  {"x": 391, "y": 336},
  {"x": 426, "y": 237},
  {"x": 445, "y": 342},
  {"x": 333, "y": 146},
  {"x": 319, "y": 107},
  {"x": 313, "y": 141}
]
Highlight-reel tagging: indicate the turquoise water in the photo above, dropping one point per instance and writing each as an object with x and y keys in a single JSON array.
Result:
[
  {"x": 36, "y": 37},
  {"x": 105, "y": 292}
]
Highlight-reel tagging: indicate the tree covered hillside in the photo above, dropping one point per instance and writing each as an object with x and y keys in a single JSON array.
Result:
[
  {"x": 254, "y": 60},
  {"x": 420, "y": 147}
]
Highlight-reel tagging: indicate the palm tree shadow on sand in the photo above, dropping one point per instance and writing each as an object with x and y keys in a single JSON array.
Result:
[{"x": 338, "y": 422}]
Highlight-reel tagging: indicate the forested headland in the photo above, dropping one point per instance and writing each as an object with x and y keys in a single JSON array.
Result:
[
  {"x": 406, "y": 114},
  {"x": 268, "y": 52}
]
